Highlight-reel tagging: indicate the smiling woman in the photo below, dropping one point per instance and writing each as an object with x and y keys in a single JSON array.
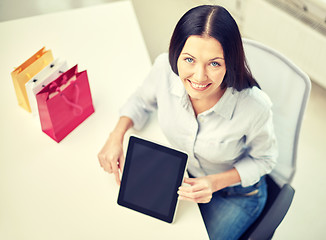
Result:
[
  {"x": 218, "y": 24},
  {"x": 202, "y": 69},
  {"x": 209, "y": 106}
]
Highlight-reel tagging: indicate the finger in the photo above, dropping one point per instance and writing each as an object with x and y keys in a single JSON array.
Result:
[
  {"x": 117, "y": 178},
  {"x": 205, "y": 199},
  {"x": 121, "y": 162},
  {"x": 100, "y": 159},
  {"x": 115, "y": 170},
  {"x": 187, "y": 181},
  {"x": 100, "y": 162},
  {"x": 192, "y": 189},
  {"x": 190, "y": 181},
  {"x": 195, "y": 186},
  {"x": 104, "y": 163},
  {"x": 195, "y": 195},
  {"x": 107, "y": 166},
  {"x": 189, "y": 195}
]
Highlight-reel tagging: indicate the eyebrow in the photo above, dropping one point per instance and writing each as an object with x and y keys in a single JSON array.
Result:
[{"x": 209, "y": 59}]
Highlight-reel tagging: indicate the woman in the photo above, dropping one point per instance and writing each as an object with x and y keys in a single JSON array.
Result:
[{"x": 211, "y": 107}]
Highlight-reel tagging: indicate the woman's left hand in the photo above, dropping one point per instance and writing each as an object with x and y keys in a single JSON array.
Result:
[{"x": 199, "y": 191}]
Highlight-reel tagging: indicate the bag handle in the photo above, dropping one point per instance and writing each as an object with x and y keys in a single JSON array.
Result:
[
  {"x": 78, "y": 110},
  {"x": 52, "y": 86}
]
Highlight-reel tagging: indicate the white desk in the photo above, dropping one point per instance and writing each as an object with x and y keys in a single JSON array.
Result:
[{"x": 58, "y": 191}]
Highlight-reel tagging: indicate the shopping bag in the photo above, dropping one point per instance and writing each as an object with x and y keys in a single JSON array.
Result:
[
  {"x": 26, "y": 71},
  {"x": 64, "y": 103},
  {"x": 41, "y": 79}
]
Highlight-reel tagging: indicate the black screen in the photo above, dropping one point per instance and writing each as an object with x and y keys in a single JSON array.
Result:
[{"x": 151, "y": 178}]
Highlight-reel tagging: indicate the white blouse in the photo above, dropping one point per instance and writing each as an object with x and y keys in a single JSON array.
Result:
[{"x": 236, "y": 132}]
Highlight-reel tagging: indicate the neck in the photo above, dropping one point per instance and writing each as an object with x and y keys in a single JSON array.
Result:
[{"x": 202, "y": 105}]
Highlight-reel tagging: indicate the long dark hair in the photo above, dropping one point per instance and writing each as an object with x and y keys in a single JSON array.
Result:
[{"x": 214, "y": 21}]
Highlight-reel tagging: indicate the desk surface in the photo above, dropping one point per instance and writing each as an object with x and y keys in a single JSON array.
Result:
[{"x": 59, "y": 191}]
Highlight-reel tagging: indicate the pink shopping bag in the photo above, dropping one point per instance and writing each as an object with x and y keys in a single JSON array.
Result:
[{"x": 64, "y": 103}]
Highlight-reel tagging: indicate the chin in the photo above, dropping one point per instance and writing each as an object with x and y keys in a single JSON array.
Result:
[{"x": 195, "y": 95}]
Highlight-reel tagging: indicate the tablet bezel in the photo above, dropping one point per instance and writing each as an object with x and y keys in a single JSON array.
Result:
[{"x": 183, "y": 163}]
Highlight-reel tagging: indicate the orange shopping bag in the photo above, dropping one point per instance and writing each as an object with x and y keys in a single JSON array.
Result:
[{"x": 26, "y": 71}]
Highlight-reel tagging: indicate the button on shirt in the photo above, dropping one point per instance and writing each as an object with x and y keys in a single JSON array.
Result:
[{"x": 235, "y": 133}]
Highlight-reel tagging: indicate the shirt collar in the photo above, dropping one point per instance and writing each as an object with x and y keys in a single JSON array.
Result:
[
  {"x": 224, "y": 107},
  {"x": 178, "y": 89}
]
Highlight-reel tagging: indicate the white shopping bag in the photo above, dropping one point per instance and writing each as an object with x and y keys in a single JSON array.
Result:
[{"x": 40, "y": 80}]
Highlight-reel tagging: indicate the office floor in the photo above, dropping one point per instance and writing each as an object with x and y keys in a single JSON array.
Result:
[{"x": 305, "y": 219}]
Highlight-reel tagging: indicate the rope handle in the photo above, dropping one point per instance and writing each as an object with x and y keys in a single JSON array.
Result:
[
  {"x": 52, "y": 86},
  {"x": 78, "y": 110}
]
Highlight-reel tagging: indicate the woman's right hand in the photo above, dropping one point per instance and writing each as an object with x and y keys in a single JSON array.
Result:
[{"x": 111, "y": 156}]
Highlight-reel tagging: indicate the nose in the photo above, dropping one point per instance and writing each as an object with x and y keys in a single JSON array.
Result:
[{"x": 200, "y": 73}]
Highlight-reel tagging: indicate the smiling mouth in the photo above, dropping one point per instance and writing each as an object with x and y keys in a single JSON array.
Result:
[{"x": 198, "y": 87}]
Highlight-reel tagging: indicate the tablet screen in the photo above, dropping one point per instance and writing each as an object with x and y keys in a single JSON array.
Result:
[{"x": 151, "y": 178}]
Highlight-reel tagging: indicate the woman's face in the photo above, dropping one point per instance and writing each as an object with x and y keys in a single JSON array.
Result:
[{"x": 201, "y": 68}]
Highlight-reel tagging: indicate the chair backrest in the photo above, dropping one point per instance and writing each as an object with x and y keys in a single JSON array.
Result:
[{"x": 288, "y": 88}]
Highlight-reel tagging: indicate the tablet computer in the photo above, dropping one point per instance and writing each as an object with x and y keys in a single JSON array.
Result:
[{"x": 151, "y": 177}]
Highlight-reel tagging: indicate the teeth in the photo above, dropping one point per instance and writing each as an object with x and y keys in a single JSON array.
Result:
[{"x": 198, "y": 85}]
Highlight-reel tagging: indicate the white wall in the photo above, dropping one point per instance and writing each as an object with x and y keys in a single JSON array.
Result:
[
  {"x": 257, "y": 20},
  {"x": 300, "y": 43},
  {"x": 158, "y": 18}
]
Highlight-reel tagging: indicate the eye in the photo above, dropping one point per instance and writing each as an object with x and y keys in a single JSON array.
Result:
[
  {"x": 215, "y": 64},
  {"x": 189, "y": 60}
]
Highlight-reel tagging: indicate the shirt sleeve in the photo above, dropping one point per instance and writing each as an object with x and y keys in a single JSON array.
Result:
[
  {"x": 262, "y": 150},
  {"x": 139, "y": 106}
]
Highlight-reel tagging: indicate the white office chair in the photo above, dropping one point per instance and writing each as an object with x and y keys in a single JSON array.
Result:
[{"x": 288, "y": 87}]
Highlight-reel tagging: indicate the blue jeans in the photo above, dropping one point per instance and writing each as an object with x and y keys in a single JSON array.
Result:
[{"x": 232, "y": 210}]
